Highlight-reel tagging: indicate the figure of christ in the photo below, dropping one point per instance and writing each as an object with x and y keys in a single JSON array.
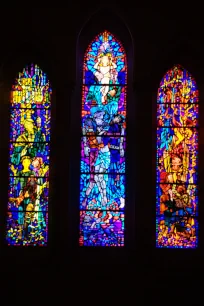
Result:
[{"x": 106, "y": 71}]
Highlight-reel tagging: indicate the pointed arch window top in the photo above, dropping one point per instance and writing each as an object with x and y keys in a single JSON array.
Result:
[
  {"x": 185, "y": 87},
  {"x": 31, "y": 89},
  {"x": 177, "y": 160},
  {"x": 105, "y": 53}
]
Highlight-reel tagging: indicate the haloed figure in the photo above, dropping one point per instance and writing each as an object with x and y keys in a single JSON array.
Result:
[{"x": 106, "y": 72}]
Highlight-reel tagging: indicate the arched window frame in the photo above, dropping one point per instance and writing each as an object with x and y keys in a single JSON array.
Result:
[
  {"x": 14, "y": 62},
  {"x": 30, "y": 116},
  {"x": 90, "y": 30},
  {"x": 175, "y": 238},
  {"x": 104, "y": 52}
]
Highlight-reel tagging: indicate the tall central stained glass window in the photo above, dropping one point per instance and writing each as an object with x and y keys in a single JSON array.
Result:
[
  {"x": 103, "y": 143},
  {"x": 177, "y": 160}
]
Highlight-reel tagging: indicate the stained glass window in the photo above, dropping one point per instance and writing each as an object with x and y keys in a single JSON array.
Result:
[
  {"x": 177, "y": 160},
  {"x": 27, "y": 214},
  {"x": 103, "y": 143}
]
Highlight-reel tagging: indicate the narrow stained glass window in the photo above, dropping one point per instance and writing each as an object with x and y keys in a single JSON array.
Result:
[
  {"x": 27, "y": 214},
  {"x": 103, "y": 143},
  {"x": 177, "y": 160}
]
